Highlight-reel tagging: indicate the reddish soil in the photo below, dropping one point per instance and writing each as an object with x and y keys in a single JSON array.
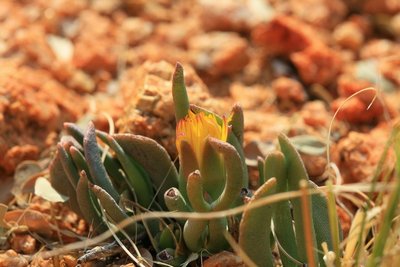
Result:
[{"x": 290, "y": 64}]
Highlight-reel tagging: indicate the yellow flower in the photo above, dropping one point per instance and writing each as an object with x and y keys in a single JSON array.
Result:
[{"x": 195, "y": 128}]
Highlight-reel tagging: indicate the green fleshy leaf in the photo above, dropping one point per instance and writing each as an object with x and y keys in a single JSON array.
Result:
[
  {"x": 235, "y": 143},
  {"x": 153, "y": 158},
  {"x": 295, "y": 173},
  {"x": 212, "y": 171},
  {"x": 196, "y": 193},
  {"x": 89, "y": 205},
  {"x": 113, "y": 210},
  {"x": 68, "y": 164},
  {"x": 179, "y": 93},
  {"x": 138, "y": 181},
  {"x": 275, "y": 166},
  {"x": 255, "y": 227},
  {"x": 175, "y": 201},
  {"x": 261, "y": 171},
  {"x": 321, "y": 221},
  {"x": 216, "y": 240},
  {"x": 188, "y": 164},
  {"x": 60, "y": 181},
  {"x": 234, "y": 174},
  {"x": 96, "y": 168},
  {"x": 79, "y": 161},
  {"x": 110, "y": 164},
  {"x": 237, "y": 122},
  {"x": 194, "y": 234}
]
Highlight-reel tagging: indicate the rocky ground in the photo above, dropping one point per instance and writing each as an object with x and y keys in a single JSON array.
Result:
[{"x": 290, "y": 64}]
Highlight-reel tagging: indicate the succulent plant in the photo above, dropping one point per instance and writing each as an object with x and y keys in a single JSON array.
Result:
[
  {"x": 212, "y": 169},
  {"x": 131, "y": 174},
  {"x": 212, "y": 173},
  {"x": 128, "y": 174},
  {"x": 296, "y": 230}
]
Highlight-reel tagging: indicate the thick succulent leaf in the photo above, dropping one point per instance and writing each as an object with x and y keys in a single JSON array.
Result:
[
  {"x": 275, "y": 166},
  {"x": 89, "y": 205},
  {"x": 260, "y": 168},
  {"x": 73, "y": 130},
  {"x": 216, "y": 240},
  {"x": 79, "y": 161},
  {"x": 68, "y": 164},
  {"x": 175, "y": 201},
  {"x": 179, "y": 93},
  {"x": 166, "y": 238},
  {"x": 213, "y": 171},
  {"x": 110, "y": 164},
  {"x": 321, "y": 222},
  {"x": 137, "y": 180},
  {"x": 114, "y": 211},
  {"x": 194, "y": 234},
  {"x": 234, "y": 174},
  {"x": 237, "y": 122},
  {"x": 196, "y": 193},
  {"x": 296, "y": 172},
  {"x": 188, "y": 164},
  {"x": 59, "y": 180},
  {"x": 153, "y": 158},
  {"x": 232, "y": 139},
  {"x": 255, "y": 227},
  {"x": 96, "y": 167}
]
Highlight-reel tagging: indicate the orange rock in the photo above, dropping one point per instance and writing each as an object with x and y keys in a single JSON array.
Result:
[
  {"x": 355, "y": 109},
  {"x": 381, "y": 6},
  {"x": 357, "y": 155},
  {"x": 390, "y": 68},
  {"x": 224, "y": 259},
  {"x": 321, "y": 13},
  {"x": 35, "y": 221},
  {"x": 349, "y": 85},
  {"x": 32, "y": 106},
  {"x": 315, "y": 166},
  {"x": 233, "y": 15},
  {"x": 379, "y": 48},
  {"x": 244, "y": 95},
  {"x": 284, "y": 35},
  {"x": 317, "y": 64},
  {"x": 287, "y": 89},
  {"x": 23, "y": 243},
  {"x": 315, "y": 114},
  {"x": 349, "y": 35},
  {"x": 11, "y": 258},
  {"x": 16, "y": 154},
  {"x": 90, "y": 53},
  {"x": 218, "y": 53}
]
